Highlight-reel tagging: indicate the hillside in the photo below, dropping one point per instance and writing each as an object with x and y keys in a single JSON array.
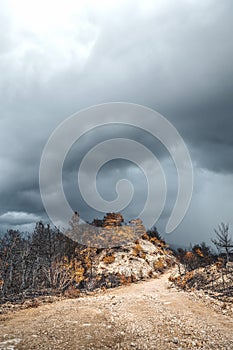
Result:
[
  {"x": 49, "y": 262},
  {"x": 145, "y": 315}
]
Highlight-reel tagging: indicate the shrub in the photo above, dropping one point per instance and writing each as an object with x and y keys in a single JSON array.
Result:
[
  {"x": 108, "y": 259},
  {"x": 125, "y": 279},
  {"x": 159, "y": 265},
  {"x": 138, "y": 251}
]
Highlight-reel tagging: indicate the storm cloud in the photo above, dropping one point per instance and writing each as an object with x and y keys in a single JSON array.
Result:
[{"x": 174, "y": 57}]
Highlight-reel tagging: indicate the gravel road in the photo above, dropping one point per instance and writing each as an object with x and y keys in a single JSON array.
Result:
[{"x": 146, "y": 315}]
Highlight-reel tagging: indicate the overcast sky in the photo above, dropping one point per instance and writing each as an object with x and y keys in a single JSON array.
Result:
[{"x": 176, "y": 57}]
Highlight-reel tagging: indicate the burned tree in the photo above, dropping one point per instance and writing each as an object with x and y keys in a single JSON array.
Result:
[{"x": 223, "y": 241}]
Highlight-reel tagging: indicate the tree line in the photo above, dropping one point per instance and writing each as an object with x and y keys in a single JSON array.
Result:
[
  {"x": 200, "y": 267},
  {"x": 201, "y": 255}
]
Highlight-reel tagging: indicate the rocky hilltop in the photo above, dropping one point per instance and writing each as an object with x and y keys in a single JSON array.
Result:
[
  {"x": 119, "y": 253},
  {"x": 138, "y": 260}
]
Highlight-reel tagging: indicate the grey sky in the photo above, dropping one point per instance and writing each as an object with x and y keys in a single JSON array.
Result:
[{"x": 175, "y": 57}]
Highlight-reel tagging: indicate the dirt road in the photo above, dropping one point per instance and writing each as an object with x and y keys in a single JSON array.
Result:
[{"x": 146, "y": 315}]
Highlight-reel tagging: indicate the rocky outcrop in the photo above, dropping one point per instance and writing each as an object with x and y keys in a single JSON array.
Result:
[
  {"x": 139, "y": 260},
  {"x": 112, "y": 220},
  {"x": 115, "y": 253}
]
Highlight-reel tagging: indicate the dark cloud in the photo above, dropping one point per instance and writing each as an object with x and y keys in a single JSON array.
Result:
[{"x": 175, "y": 57}]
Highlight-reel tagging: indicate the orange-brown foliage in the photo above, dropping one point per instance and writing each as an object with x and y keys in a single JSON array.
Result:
[
  {"x": 138, "y": 251},
  {"x": 159, "y": 265},
  {"x": 108, "y": 259}
]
